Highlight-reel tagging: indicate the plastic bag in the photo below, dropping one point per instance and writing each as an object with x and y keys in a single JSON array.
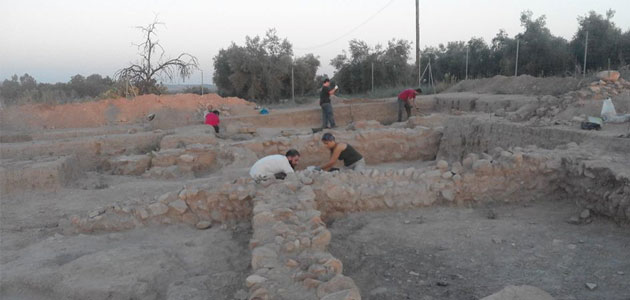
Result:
[{"x": 608, "y": 109}]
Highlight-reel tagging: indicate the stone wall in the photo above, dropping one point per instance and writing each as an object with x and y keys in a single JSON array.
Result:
[
  {"x": 43, "y": 174},
  {"x": 376, "y": 145},
  {"x": 289, "y": 248},
  {"x": 198, "y": 206},
  {"x": 508, "y": 176},
  {"x": 470, "y": 134},
  {"x": 89, "y": 151}
]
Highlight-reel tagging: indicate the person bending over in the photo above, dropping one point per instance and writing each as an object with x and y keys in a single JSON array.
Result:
[
  {"x": 212, "y": 119},
  {"x": 404, "y": 100},
  {"x": 277, "y": 166},
  {"x": 352, "y": 159}
]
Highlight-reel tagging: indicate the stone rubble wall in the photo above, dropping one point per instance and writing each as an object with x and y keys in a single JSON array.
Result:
[
  {"x": 376, "y": 145},
  {"x": 45, "y": 174},
  {"x": 289, "y": 244},
  {"x": 508, "y": 176},
  {"x": 599, "y": 185},
  {"x": 289, "y": 248},
  {"x": 201, "y": 207},
  {"x": 89, "y": 151},
  {"x": 464, "y": 135},
  {"x": 504, "y": 175},
  {"x": 185, "y": 155}
]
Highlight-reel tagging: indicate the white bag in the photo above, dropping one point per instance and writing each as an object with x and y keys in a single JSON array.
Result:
[{"x": 608, "y": 110}]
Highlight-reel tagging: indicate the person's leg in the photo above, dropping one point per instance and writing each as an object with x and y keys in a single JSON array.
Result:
[
  {"x": 400, "y": 105},
  {"x": 357, "y": 166},
  {"x": 331, "y": 117},
  {"x": 324, "y": 116},
  {"x": 408, "y": 109}
]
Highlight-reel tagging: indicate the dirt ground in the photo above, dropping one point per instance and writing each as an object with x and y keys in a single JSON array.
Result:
[
  {"x": 469, "y": 253},
  {"x": 523, "y": 85},
  {"x": 174, "y": 262},
  {"x": 118, "y": 111},
  {"x": 41, "y": 261},
  {"x": 439, "y": 252}
]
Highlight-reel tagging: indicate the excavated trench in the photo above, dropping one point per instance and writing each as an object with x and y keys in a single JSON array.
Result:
[{"x": 474, "y": 208}]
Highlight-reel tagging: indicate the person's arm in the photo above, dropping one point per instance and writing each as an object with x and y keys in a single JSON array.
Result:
[
  {"x": 332, "y": 91},
  {"x": 334, "y": 156}
]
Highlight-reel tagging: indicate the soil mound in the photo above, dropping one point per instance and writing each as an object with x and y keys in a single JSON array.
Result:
[
  {"x": 522, "y": 85},
  {"x": 116, "y": 111}
]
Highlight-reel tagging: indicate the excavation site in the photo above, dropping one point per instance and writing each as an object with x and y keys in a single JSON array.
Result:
[{"x": 489, "y": 190}]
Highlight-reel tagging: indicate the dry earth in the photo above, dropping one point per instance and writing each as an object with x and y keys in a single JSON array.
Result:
[{"x": 482, "y": 189}]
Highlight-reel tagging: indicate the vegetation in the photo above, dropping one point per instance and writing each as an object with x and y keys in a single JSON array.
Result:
[
  {"x": 261, "y": 69},
  {"x": 152, "y": 64},
  {"x": 540, "y": 54},
  {"x": 25, "y": 89}
]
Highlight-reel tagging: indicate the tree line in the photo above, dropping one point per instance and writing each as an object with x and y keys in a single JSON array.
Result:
[
  {"x": 25, "y": 89},
  {"x": 540, "y": 54},
  {"x": 261, "y": 68}
]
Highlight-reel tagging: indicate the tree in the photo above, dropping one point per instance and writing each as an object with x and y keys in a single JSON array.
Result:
[
  {"x": 605, "y": 41},
  {"x": 541, "y": 53},
  {"x": 503, "y": 53},
  {"x": 261, "y": 69},
  {"x": 152, "y": 63},
  {"x": 353, "y": 68}
]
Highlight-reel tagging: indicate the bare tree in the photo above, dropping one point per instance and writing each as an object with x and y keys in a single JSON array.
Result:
[{"x": 153, "y": 65}]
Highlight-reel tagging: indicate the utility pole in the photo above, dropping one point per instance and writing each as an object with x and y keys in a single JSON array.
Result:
[
  {"x": 516, "y": 65},
  {"x": 467, "y": 48},
  {"x": 292, "y": 83},
  {"x": 585, "y": 52},
  {"x": 201, "y": 82},
  {"x": 418, "y": 42},
  {"x": 372, "y": 77}
]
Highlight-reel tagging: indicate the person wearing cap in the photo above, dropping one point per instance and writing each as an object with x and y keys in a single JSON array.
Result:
[
  {"x": 277, "y": 166},
  {"x": 352, "y": 159},
  {"x": 404, "y": 99},
  {"x": 324, "y": 102}
]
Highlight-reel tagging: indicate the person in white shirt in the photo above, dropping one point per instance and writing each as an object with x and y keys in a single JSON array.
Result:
[{"x": 277, "y": 166}]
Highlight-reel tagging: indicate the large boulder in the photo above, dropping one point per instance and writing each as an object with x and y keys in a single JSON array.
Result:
[
  {"x": 523, "y": 292},
  {"x": 129, "y": 165},
  {"x": 611, "y": 76}
]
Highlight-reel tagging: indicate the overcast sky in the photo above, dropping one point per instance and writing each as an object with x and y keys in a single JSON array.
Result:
[{"x": 53, "y": 40}]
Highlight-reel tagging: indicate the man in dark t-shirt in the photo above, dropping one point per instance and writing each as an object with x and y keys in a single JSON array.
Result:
[{"x": 324, "y": 102}]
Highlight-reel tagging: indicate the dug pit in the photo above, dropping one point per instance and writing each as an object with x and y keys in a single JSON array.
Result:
[{"x": 475, "y": 194}]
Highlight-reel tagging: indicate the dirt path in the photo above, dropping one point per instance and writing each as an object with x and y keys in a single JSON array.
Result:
[{"x": 460, "y": 253}]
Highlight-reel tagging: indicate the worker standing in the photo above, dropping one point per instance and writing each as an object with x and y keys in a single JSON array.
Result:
[{"x": 324, "y": 102}]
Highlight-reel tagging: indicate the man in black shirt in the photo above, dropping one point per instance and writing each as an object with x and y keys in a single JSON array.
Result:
[{"x": 324, "y": 102}]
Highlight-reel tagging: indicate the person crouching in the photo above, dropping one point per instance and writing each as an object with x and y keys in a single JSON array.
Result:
[
  {"x": 275, "y": 166},
  {"x": 352, "y": 159}
]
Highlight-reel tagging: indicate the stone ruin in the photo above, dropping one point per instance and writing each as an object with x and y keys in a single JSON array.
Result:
[{"x": 468, "y": 149}]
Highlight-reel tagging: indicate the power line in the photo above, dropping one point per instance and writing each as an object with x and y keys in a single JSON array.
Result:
[{"x": 349, "y": 32}]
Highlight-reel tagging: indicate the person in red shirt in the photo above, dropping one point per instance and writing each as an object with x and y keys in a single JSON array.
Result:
[
  {"x": 404, "y": 99},
  {"x": 212, "y": 119}
]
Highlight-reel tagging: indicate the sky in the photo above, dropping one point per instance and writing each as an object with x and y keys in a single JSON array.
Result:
[{"x": 54, "y": 40}]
